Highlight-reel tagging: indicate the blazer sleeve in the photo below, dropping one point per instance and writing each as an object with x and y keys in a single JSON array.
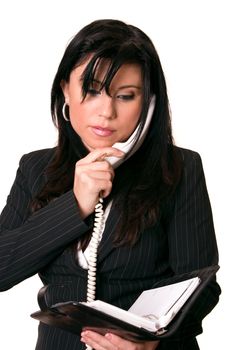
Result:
[
  {"x": 191, "y": 238},
  {"x": 30, "y": 242}
]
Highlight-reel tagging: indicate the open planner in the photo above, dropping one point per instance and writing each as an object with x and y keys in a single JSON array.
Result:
[{"x": 156, "y": 313}]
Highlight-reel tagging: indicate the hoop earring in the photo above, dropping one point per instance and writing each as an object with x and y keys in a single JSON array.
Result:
[{"x": 64, "y": 112}]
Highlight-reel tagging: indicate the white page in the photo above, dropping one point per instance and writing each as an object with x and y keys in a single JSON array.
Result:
[
  {"x": 156, "y": 303},
  {"x": 122, "y": 314}
]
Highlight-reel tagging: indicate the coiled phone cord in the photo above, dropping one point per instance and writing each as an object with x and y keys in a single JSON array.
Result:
[{"x": 95, "y": 239}]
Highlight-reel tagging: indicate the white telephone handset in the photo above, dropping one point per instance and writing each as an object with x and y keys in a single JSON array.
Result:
[{"x": 127, "y": 146}]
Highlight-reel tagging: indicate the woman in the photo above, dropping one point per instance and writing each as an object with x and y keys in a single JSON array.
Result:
[{"x": 157, "y": 215}]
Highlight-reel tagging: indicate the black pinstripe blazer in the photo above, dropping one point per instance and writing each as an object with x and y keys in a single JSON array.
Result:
[{"x": 40, "y": 243}]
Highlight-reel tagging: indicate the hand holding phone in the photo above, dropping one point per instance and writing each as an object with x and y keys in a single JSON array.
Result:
[{"x": 94, "y": 175}]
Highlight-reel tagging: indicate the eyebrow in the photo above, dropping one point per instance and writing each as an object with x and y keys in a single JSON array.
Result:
[
  {"x": 121, "y": 87},
  {"x": 129, "y": 86}
]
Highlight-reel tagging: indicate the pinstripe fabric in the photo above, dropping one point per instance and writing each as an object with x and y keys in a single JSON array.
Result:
[{"x": 39, "y": 243}]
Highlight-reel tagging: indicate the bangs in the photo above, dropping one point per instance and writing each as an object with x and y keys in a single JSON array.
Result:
[{"x": 114, "y": 62}]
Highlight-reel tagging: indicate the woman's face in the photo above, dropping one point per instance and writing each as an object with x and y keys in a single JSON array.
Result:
[{"x": 102, "y": 120}]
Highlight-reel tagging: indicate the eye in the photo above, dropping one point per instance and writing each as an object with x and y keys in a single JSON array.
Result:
[{"x": 126, "y": 97}]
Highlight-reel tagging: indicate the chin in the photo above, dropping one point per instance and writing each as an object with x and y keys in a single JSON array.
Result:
[{"x": 93, "y": 146}]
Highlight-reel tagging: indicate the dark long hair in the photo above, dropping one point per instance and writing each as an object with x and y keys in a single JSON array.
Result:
[{"x": 144, "y": 183}]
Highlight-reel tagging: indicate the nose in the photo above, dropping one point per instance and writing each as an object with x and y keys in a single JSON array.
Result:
[{"x": 107, "y": 107}]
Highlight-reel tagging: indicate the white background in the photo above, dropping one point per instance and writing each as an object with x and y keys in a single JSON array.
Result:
[{"x": 194, "y": 41}]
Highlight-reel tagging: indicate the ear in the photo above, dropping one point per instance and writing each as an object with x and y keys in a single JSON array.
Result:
[{"x": 65, "y": 89}]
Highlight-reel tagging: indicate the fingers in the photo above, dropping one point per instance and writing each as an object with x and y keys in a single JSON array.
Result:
[
  {"x": 97, "y": 341},
  {"x": 94, "y": 176},
  {"x": 119, "y": 343},
  {"x": 98, "y": 165},
  {"x": 100, "y": 154},
  {"x": 94, "y": 182},
  {"x": 113, "y": 342}
]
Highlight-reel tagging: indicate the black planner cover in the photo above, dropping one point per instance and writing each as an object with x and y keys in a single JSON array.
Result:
[{"x": 75, "y": 316}]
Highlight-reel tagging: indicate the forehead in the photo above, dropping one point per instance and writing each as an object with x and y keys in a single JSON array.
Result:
[{"x": 128, "y": 73}]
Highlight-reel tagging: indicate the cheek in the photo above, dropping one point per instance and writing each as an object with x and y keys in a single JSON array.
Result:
[
  {"x": 127, "y": 128},
  {"x": 77, "y": 116},
  {"x": 131, "y": 119}
]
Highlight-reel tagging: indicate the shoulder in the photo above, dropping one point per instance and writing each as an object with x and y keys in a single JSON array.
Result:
[
  {"x": 33, "y": 167},
  {"x": 187, "y": 155},
  {"x": 190, "y": 160},
  {"x": 37, "y": 159},
  {"x": 192, "y": 170}
]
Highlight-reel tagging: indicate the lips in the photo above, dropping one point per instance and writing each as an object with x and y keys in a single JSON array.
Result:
[{"x": 99, "y": 131}]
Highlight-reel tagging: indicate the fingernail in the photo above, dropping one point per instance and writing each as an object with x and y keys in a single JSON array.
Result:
[
  {"x": 101, "y": 158},
  {"x": 84, "y": 333},
  {"x": 121, "y": 152}
]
